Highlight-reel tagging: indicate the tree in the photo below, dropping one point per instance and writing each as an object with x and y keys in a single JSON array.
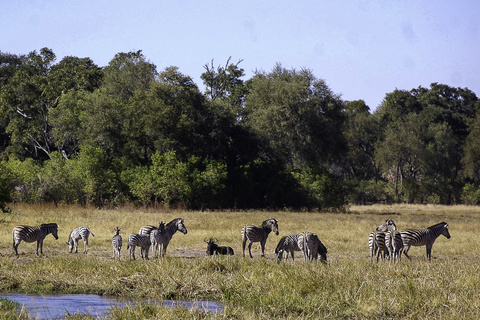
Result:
[{"x": 297, "y": 118}]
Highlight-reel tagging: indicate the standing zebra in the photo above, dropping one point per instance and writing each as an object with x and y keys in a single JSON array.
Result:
[
  {"x": 394, "y": 244},
  {"x": 156, "y": 236},
  {"x": 138, "y": 240},
  {"x": 81, "y": 232},
  {"x": 258, "y": 234},
  {"x": 117, "y": 243},
  {"x": 170, "y": 229},
  {"x": 31, "y": 234},
  {"x": 424, "y": 237},
  {"x": 287, "y": 244},
  {"x": 376, "y": 239},
  {"x": 311, "y": 247}
]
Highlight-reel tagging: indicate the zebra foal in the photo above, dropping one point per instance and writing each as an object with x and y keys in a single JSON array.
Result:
[
  {"x": 138, "y": 240},
  {"x": 394, "y": 244},
  {"x": 287, "y": 244},
  {"x": 258, "y": 234},
  {"x": 423, "y": 237},
  {"x": 81, "y": 232},
  {"x": 31, "y": 234},
  {"x": 156, "y": 236},
  {"x": 117, "y": 243}
]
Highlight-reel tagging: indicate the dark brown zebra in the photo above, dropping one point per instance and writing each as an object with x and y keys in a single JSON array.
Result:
[
  {"x": 32, "y": 234},
  {"x": 258, "y": 234}
]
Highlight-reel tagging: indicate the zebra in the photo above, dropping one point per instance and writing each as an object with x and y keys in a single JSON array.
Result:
[
  {"x": 213, "y": 248},
  {"x": 81, "y": 232},
  {"x": 147, "y": 229},
  {"x": 117, "y": 243},
  {"x": 311, "y": 247},
  {"x": 287, "y": 244},
  {"x": 156, "y": 236},
  {"x": 376, "y": 239},
  {"x": 138, "y": 240},
  {"x": 258, "y": 234},
  {"x": 170, "y": 229},
  {"x": 31, "y": 234},
  {"x": 394, "y": 244},
  {"x": 423, "y": 237}
]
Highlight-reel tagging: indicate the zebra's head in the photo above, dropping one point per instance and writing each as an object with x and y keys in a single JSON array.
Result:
[
  {"x": 445, "y": 231},
  {"x": 389, "y": 225},
  {"x": 181, "y": 227},
  {"x": 322, "y": 251},
  {"x": 210, "y": 245},
  {"x": 161, "y": 226},
  {"x": 117, "y": 230},
  {"x": 51, "y": 228},
  {"x": 272, "y": 225}
]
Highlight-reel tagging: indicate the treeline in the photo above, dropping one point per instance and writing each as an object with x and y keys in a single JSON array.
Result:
[{"x": 73, "y": 132}]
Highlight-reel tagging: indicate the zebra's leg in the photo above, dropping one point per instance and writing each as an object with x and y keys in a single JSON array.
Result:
[
  {"x": 405, "y": 251},
  {"x": 85, "y": 245},
  {"x": 15, "y": 247},
  {"x": 165, "y": 245},
  {"x": 262, "y": 246},
  {"x": 429, "y": 251},
  {"x": 244, "y": 242},
  {"x": 293, "y": 257},
  {"x": 40, "y": 243},
  {"x": 250, "y": 249}
]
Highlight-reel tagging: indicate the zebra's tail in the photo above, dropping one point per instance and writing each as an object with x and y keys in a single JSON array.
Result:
[
  {"x": 90, "y": 232},
  {"x": 305, "y": 252}
]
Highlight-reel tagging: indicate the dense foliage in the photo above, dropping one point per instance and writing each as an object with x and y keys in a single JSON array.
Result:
[{"x": 74, "y": 132}]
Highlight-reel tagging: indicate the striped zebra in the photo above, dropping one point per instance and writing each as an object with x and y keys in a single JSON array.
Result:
[
  {"x": 311, "y": 247},
  {"x": 147, "y": 229},
  {"x": 81, "y": 232},
  {"x": 258, "y": 234},
  {"x": 31, "y": 234},
  {"x": 423, "y": 237},
  {"x": 376, "y": 240},
  {"x": 156, "y": 236},
  {"x": 170, "y": 229},
  {"x": 394, "y": 244},
  {"x": 287, "y": 244},
  {"x": 117, "y": 243},
  {"x": 138, "y": 240}
]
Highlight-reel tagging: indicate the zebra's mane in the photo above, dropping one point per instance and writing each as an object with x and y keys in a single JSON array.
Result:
[
  {"x": 49, "y": 225},
  {"x": 437, "y": 225},
  {"x": 173, "y": 222}
]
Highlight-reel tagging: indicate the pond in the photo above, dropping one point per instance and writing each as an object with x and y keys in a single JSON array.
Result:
[{"x": 58, "y": 305}]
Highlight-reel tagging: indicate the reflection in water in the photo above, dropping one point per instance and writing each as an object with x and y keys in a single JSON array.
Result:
[{"x": 56, "y": 306}]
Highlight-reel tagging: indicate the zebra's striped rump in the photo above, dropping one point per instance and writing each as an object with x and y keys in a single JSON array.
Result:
[
  {"x": 32, "y": 234},
  {"x": 117, "y": 243}
]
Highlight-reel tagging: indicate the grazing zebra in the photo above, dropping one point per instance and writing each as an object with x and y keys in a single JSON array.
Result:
[
  {"x": 311, "y": 247},
  {"x": 287, "y": 244},
  {"x": 31, "y": 234},
  {"x": 81, "y": 232},
  {"x": 376, "y": 240},
  {"x": 170, "y": 229},
  {"x": 117, "y": 243},
  {"x": 138, "y": 240},
  {"x": 258, "y": 234},
  {"x": 423, "y": 237},
  {"x": 394, "y": 244},
  {"x": 156, "y": 236}
]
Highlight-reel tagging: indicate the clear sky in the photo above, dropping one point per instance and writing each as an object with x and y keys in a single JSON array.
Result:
[{"x": 363, "y": 49}]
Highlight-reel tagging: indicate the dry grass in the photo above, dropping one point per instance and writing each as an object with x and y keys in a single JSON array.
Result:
[{"x": 348, "y": 287}]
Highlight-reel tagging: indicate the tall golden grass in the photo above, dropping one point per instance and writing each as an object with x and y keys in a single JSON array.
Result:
[{"x": 349, "y": 286}]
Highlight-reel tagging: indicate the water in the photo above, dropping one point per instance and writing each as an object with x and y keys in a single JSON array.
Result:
[{"x": 57, "y": 306}]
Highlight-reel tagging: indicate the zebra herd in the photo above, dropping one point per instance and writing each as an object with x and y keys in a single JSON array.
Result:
[{"x": 386, "y": 242}]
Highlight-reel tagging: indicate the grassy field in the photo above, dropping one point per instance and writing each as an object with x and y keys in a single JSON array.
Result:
[{"x": 349, "y": 286}]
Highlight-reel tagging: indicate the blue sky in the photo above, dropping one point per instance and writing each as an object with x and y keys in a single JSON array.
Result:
[{"x": 362, "y": 49}]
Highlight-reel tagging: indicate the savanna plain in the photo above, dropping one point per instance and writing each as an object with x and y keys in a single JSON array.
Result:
[{"x": 348, "y": 286}]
